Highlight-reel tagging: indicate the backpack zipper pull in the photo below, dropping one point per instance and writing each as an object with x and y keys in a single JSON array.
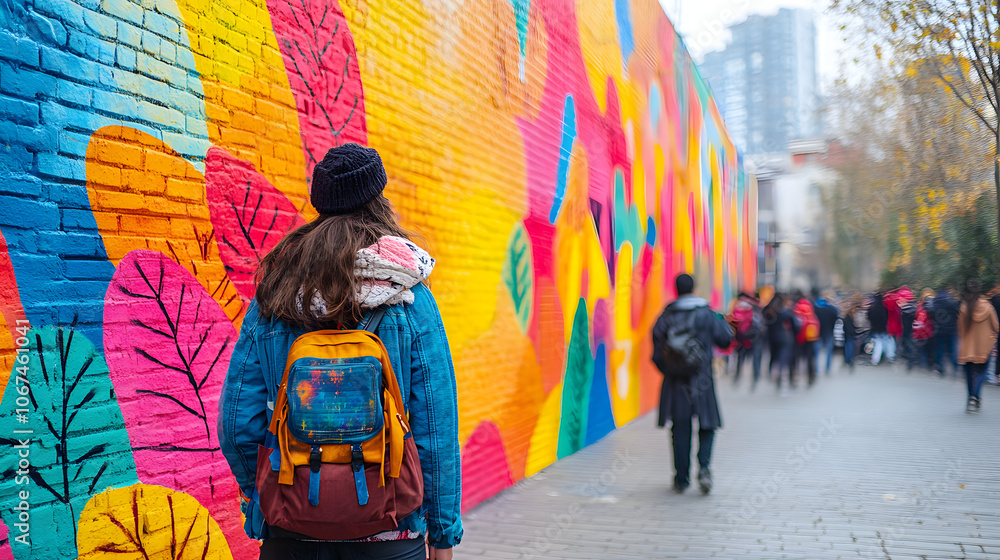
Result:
[{"x": 406, "y": 427}]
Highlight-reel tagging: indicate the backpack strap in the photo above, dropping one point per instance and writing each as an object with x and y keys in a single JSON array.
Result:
[{"x": 374, "y": 320}]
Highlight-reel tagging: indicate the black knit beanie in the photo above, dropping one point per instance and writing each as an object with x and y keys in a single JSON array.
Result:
[{"x": 349, "y": 176}]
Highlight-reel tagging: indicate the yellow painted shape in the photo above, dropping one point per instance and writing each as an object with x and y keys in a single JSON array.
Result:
[
  {"x": 248, "y": 101},
  {"x": 545, "y": 439},
  {"x": 511, "y": 395},
  {"x": 573, "y": 221},
  {"x": 148, "y": 522},
  {"x": 144, "y": 195},
  {"x": 639, "y": 189},
  {"x": 625, "y": 374},
  {"x": 445, "y": 124},
  {"x": 602, "y": 56}
]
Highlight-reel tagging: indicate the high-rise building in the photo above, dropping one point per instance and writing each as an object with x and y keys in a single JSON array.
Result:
[{"x": 765, "y": 81}]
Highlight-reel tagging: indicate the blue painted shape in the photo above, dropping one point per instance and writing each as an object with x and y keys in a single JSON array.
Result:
[
  {"x": 88, "y": 93},
  {"x": 625, "y": 39},
  {"x": 565, "y": 151},
  {"x": 521, "y": 10},
  {"x": 600, "y": 419},
  {"x": 650, "y": 232},
  {"x": 655, "y": 105}
]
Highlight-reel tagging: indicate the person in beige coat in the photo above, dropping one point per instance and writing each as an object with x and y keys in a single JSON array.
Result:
[{"x": 977, "y": 337}]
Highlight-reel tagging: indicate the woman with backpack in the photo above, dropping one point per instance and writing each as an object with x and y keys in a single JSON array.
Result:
[
  {"x": 374, "y": 470},
  {"x": 977, "y": 336}
]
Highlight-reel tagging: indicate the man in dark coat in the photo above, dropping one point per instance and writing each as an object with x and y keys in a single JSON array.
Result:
[
  {"x": 681, "y": 399},
  {"x": 827, "y": 315},
  {"x": 945, "y": 322}
]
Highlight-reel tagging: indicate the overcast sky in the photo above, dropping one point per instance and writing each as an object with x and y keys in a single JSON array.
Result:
[{"x": 702, "y": 23}]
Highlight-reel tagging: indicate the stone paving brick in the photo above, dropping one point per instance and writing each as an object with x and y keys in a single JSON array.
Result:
[{"x": 876, "y": 464}]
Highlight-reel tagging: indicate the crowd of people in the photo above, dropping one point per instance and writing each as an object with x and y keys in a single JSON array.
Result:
[{"x": 944, "y": 331}]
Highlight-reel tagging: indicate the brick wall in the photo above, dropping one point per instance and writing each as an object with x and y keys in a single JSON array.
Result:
[{"x": 562, "y": 160}]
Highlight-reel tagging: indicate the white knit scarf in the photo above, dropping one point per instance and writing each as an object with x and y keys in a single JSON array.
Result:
[{"x": 387, "y": 270}]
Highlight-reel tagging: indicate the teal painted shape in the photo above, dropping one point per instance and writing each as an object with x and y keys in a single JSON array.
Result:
[
  {"x": 576, "y": 386},
  {"x": 518, "y": 275},
  {"x": 521, "y": 10},
  {"x": 78, "y": 444},
  {"x": 628, "y": 224}
]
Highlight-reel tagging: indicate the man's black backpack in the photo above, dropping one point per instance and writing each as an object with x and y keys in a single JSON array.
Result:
[{"x": 678, "y": 352}]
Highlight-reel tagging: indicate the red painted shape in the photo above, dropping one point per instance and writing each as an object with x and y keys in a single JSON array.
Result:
[
  {"x": 484, "y": 465},
  {"x": 322, "y": 65},
  {"x": 10, "y": 298},
  {"x": 249, "y": 214}
]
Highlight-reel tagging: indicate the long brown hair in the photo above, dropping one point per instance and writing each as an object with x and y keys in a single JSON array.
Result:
[
  {"x": 970, "y": 298},
  {"x": 318, "y": 259}
]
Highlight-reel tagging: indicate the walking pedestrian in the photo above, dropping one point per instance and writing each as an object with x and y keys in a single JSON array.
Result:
[
  {"x": 684, "y": 337},
  {"x": 749, "y": 335},
  {"x": 827, "y": 315},
  {"x": 851, "y": 308},
  {"x": 805, "y": 341},
  {"x": 977, "y": 336},
  {"x": 782, "y": 330},
  {"x": 908, "y": 313},
  {"x": 922, "y": 331},
  {"x": 351, "y": 267},
  {"x": 991, "y": 373},
  {"x": 944, "y": 318},
  {"x": 878, "y": 317}
]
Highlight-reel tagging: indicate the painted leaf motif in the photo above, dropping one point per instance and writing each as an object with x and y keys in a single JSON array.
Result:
[
  {"x": 576, "y": 386},
  {"x": 168, "y": 345},
  {"x": 518, "y": 275},
  {"x": 146, "y": 521},
  {"x": 322, "y": 67},
  {"x": 77, "y": 443},
  {"x": 250, "y": 215}
]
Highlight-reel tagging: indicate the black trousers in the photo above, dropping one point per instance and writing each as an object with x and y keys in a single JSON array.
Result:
[
  {"x": 292, "y": 549},
  {"x": 681, "y": 435}
]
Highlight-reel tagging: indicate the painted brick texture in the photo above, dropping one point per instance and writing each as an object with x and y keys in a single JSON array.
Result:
[{"x": 562, "y": 161}]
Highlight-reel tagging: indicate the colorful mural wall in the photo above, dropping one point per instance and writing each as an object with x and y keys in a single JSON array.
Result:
[{"x": 562, "y": 160}]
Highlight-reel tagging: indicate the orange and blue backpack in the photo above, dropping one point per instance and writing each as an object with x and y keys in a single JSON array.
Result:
[{"x": 339, "y": 462}]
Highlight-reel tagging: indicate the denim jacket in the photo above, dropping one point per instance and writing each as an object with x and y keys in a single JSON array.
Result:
[{"x": 418, "y": 349}]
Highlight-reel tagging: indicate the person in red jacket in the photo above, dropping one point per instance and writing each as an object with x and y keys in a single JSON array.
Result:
[{"x": 805, "y": 343}]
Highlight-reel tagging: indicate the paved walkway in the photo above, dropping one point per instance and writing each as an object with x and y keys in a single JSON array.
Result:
[{"x": 875, "y": 464}]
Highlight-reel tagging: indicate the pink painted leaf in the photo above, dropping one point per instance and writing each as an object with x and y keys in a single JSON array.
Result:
[
  {"x": 249, "y": 214},
  {"x": 167, "y": 345},
  {"x": 5, "y": 552},
  {"x": 484, "y": 465},
  {"x": 322, "y": 66}
]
